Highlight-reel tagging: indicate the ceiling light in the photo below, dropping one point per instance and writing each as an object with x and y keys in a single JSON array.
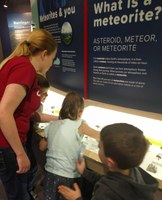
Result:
[{"x": 5, "y": 5}]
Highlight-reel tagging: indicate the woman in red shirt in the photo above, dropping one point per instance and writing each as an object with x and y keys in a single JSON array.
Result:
[{"x": 19, "y": 99}]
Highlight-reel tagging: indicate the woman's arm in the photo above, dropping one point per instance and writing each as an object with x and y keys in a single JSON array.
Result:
[
  {"x": 85, "y": 129},
  {"x": 12, "y": 97}
]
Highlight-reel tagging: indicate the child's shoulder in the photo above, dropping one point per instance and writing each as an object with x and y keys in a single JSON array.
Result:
[{"x": 66, "y": 123}]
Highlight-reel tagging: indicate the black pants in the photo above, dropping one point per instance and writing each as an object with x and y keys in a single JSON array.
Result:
[
  {"x": 15, "y": 184},
  {"x": 52, "y": 181}
]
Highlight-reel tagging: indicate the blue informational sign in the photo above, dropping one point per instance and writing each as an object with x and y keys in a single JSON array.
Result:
[
  {"x": 64, "y": 19},
  {"x": 125, "y": 53}
]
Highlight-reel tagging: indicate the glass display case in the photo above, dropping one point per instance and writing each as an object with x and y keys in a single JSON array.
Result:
[{"x": 98, "y": 115}]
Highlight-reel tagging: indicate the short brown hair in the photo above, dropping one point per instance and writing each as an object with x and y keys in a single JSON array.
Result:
[
  {"x": 125, "y": 144},
  {"x": 43, "y": 82}
]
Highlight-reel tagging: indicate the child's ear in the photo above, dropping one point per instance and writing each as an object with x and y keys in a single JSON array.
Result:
[
  {"x": 111, "y": 163},
  {"x": 80, "y": 114}
]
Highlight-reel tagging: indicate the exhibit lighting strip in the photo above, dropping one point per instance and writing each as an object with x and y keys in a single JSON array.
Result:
[{"x": 98, "y": 117}]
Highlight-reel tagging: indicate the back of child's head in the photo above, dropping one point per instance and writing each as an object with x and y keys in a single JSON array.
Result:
[
  {"x": 125, "y": 144},
  {"x": 43, "y": 87},
  {"x": 43, "y": 82},
  {"x": 71, "y": 106}
]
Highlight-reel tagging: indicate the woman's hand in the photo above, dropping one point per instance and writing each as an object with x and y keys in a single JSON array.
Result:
[
  {"x": 69, "y": 193},
  {"x": 23, "y": 163}
]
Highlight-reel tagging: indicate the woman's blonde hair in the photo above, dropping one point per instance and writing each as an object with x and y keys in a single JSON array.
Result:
[{"x": 37, "y": 41}]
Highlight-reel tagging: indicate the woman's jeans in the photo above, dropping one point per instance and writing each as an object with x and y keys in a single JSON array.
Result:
[{"x": 15, "y": 184}]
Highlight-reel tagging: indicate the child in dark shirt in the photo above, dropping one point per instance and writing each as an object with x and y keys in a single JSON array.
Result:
[
  {"x": 37, "y": 158},
  {"x": 122, "y": 148}
]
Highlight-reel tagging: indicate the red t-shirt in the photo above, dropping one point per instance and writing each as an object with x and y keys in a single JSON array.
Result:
[{"x": 19, "y": 70}]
